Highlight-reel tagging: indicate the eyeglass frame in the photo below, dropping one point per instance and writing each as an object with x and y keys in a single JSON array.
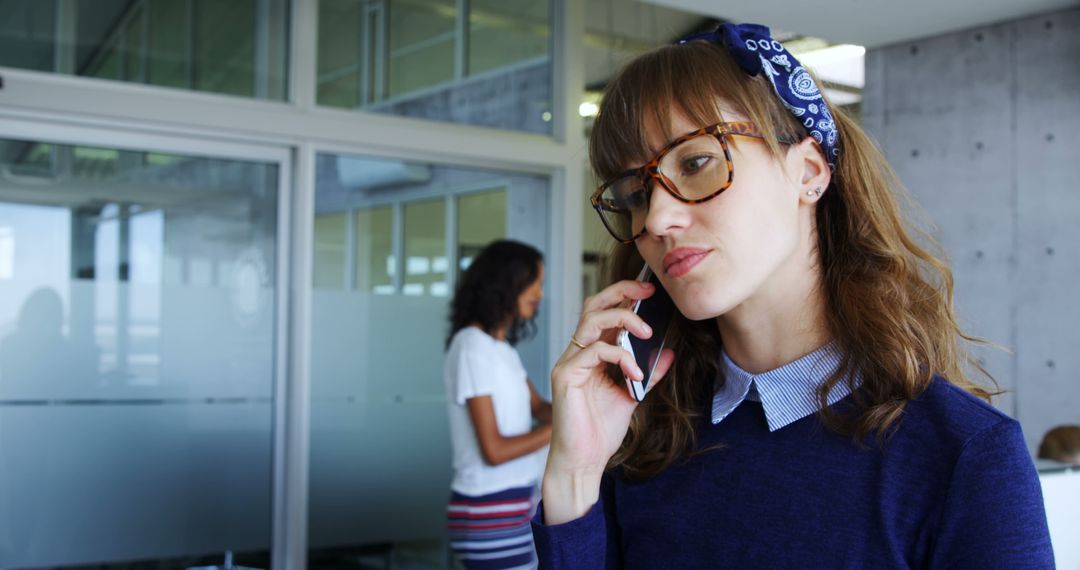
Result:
[{"x": 650, "y": 171}]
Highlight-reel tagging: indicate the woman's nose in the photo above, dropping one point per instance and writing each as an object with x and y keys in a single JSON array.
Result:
[{"x": 666, "y": 212}]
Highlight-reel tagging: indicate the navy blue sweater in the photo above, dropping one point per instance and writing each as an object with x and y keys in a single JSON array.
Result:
[{"x": 953, "y": 487}]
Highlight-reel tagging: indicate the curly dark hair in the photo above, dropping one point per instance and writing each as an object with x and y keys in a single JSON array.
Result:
[{"x": 488, "y": 291}]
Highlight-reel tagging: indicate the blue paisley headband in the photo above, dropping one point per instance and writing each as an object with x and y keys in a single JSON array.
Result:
[{"x": 756, "y": 52}]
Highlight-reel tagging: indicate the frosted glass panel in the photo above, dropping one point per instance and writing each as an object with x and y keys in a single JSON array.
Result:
[
  {"x": 136, "y": 355},
  {"x": 380, "y": 453}
]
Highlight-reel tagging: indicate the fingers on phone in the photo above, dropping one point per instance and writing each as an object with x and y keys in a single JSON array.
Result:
[
  {"x": 617, "y": 293},
  {"x": 593, "y": 325},
  {"x": 604, "y": 353}
]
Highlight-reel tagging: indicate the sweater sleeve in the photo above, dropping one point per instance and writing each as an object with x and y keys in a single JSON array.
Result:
[
  {"x": 591, "y": 541},
  {"x": 994, "y": 516}
]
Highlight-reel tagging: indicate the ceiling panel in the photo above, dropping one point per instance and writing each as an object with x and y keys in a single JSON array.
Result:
[{"x": 870, "y": 23}]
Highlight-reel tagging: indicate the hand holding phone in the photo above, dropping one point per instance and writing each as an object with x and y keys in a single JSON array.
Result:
[
  {"x": 656, "y": 311},
  {"x": 591, "y": 412}
]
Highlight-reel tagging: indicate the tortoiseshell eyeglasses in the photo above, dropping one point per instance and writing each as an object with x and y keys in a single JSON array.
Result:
[{"x": 693, "y": 168}]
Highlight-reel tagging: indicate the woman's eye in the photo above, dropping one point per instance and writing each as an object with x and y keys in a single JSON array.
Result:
[
  {"x": 693, "y": 164},
  {"x": 635, "y": 200}
]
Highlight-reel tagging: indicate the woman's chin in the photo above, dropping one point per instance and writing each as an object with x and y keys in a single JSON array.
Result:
[
  {"x": 697, "y": 312},
  {"x": 703, "y": 309}
]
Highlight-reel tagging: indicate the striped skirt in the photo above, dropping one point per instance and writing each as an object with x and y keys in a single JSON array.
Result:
[{"x": 493, "y": 531}]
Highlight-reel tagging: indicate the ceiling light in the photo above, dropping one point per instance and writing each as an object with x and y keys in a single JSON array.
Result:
[{"x": 588, "y": 109}]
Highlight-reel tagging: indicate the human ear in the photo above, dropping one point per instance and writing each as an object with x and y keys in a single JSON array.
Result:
[{"x": 808, "y": 163}]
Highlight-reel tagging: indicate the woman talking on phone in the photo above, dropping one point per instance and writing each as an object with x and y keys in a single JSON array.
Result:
[
  {"x": 813, "y": 405},
  {"x": 492, "y": 406}
]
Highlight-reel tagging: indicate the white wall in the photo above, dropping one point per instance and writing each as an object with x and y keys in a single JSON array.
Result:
[{"x": 1061, "y": 490}]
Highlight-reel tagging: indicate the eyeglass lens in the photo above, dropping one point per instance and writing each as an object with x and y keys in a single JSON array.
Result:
[{"x": 693, "y": 170}]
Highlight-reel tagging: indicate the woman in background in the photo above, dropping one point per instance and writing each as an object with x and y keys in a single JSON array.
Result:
[{"x": 492, "y": 407}]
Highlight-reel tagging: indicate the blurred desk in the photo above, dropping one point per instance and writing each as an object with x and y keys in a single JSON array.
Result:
[{"x": 1061, "y": 491}]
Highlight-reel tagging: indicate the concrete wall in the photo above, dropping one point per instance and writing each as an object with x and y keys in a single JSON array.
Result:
[{"x": 983, "y": 127}]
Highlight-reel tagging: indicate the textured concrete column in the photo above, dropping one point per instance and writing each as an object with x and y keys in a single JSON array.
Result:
[{"x": 983, "y": 127}]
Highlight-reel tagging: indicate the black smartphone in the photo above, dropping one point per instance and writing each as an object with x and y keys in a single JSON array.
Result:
[{"x": 656, "y": 311}]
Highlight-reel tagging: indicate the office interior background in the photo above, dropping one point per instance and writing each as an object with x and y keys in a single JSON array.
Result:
[{"x": 229, "y": 229}]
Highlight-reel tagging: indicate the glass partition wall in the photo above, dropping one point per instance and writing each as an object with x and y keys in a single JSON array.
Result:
[
  {"x": 138, "y": 323},
  {"x": 138, "y": 295},
  {"x": 391, "y": 237},
  {"x": 225, "y": 299}
]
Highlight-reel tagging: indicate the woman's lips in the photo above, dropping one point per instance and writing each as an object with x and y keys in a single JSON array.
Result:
[{"x": 680, "y": 261}]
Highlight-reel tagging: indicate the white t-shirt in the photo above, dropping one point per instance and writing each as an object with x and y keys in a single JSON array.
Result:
[{"x": 480, "y": 365}]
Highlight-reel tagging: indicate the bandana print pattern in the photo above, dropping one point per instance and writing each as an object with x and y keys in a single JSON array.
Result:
[{"x": 757, "y": 53}]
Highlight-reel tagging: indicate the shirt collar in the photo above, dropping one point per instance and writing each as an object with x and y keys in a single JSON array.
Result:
[{"x": 787, "y": 394}]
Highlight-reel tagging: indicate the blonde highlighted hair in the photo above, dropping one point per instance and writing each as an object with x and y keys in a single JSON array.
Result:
[{"x": 888, "y": 298}]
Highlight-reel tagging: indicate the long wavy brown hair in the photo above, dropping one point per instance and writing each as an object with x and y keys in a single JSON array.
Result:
[{"x": 888, "y": 298}]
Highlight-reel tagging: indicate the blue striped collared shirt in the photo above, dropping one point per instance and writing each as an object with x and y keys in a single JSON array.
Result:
[{"x": 787, "y": 394}]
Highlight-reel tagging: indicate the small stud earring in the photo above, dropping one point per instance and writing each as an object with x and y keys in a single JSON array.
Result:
[{"x": 809, "y": 192}]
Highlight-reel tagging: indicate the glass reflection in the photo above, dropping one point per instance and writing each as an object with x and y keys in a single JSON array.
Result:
[
  {"x": 136, "y": 351},
  {"x": 232, "y": 48}
]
